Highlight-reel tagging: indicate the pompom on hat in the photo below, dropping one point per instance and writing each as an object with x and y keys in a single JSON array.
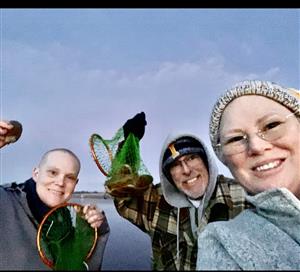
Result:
[{"x": 288, "y": 97}]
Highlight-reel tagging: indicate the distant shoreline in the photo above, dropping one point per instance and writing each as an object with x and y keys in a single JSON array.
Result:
[{"x": 84, "y": 194}]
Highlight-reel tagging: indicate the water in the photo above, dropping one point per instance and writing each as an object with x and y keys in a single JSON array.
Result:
[{"x": 127, "y": 248}]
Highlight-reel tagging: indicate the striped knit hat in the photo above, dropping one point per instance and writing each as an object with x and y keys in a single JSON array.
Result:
[
  {"x": 182, "y": 146},
  {"x": 287, "y": 97}
]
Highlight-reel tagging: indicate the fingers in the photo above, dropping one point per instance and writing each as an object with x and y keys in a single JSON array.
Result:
[
  {"x": 10, "y": 132},
  {"x": 5, "y": 127},
  {"x": 93, "y": 215},
  {"x": 16, "y": 131}
]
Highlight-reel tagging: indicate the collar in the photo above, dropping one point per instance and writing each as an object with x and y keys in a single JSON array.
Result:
[
  {"x": 196, "y": 203},
  {"x": 36, "y": 205}
]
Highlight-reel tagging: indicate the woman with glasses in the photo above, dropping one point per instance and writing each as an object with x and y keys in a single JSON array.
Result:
[{"x": 255, "y": 131}]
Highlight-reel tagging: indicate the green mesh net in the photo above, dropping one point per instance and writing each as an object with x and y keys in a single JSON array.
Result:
[
  {"x": 66, "y": 239},
  {"x": 103, "y": 150},
  {"x": 121, "y": 162}
]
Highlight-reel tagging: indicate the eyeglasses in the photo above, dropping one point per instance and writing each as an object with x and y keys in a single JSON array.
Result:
[
  {"x": 189, "y": 160},
  {"x": 272, "y": 129}
]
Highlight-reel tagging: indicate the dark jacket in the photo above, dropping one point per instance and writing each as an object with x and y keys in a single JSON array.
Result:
[{"x": 18, "y": 233}]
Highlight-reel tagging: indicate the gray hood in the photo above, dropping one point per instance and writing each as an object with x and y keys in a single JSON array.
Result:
[{"x": 176, "y": 198}]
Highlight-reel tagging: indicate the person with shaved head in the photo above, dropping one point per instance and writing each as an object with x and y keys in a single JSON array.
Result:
[{"x": 24, "y": 205}]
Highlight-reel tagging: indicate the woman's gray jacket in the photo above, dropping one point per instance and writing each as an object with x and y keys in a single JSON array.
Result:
[{"x": 264, "y": 238}]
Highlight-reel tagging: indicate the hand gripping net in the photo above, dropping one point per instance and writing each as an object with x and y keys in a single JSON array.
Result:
[
  {"x": 120, "y": 161},
  {"x": 65, "y": 240}
]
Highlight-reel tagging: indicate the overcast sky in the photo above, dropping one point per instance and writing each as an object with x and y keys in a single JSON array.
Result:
[{"x": 69, "y": 73}]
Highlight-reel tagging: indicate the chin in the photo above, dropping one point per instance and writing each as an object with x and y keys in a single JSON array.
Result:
[
  {"x": 195, "y": 197},
  {"x": 54, "y": 203}
]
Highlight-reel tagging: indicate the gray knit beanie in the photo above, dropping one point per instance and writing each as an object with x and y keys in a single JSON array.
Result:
[{"x": 288, "y": 97}]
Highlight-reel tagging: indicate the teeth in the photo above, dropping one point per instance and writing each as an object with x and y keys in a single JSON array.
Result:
[
  {"x": 268, "y": 166},
  {"x": 56, "y": 192},
  {"x": 191, "y": 180}
]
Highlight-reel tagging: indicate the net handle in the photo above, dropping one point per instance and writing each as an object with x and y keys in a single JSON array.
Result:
[{"x": 91, "y": 143}]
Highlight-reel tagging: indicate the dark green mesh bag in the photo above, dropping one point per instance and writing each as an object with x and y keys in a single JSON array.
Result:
[
  {"x": 120, "y": 161},
  {"x": 65, "y": 239}
]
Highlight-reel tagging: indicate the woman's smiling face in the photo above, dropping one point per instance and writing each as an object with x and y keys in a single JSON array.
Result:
[
  {"x": 56, "y": 178},
  {"x": 264, "y": 164}
]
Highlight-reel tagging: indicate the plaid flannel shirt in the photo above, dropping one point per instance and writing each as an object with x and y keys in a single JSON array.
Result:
[{"x": 152, "y": 214}]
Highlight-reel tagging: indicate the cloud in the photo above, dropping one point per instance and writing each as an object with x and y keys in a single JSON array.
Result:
[{"x": 61, "y": 103}]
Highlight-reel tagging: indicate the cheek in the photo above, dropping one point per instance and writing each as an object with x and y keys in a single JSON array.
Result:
[
  {"x": 43, "y": 180},
  {"x": 174, "y": 176},
  {"x": 296, "y": 149},
  {"x": 237, "y": 166},
  {"x": 70, "y": 188},
  {"x": 292, "y": 141},
  {"x": 176, "y": 179},
  {"x": 203, "y": 170},
  {"x": 235, "y": 163},
  {"x": 42, "y": 192}
]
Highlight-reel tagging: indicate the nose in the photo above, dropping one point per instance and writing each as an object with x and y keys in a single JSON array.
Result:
[
  {"x": 257, "y": 145},
  {"x": 185, "y": 168},
  {"x": 59, "y": 180}
]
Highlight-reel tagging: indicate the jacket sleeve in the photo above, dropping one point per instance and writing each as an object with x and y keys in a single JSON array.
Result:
[
  {"x": 211, "y": 253},
  {"x": 139, "y": 210}
]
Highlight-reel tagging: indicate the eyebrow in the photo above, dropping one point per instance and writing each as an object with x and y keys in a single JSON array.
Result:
[
  {"x": 258, "y": 121},
  {"x": 266, "y": 116},
  {"x": 233, "y": 131},
  {"x": 51, "y": 168}
]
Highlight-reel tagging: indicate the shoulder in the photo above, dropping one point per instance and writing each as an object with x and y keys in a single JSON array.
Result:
[
  {"x": 228, "y": 184},
  {"x": 232, "y": 193},
  {"x": 12, "y": 187},
  {"x": 228, "y": 230},
  {"x": 157, "y": 188},
  {"x": 227, "y": 189},
  {"x": 246, "y": 240},
  {"x": 11, "y": 191},
  {"x": 11, "y": 195},
  {"x": 212, "y": 248}
]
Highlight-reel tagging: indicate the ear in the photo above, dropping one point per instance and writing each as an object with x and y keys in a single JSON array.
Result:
[
  {"x": 35, "y": 173},
  {"x": 77, "y": 181}
]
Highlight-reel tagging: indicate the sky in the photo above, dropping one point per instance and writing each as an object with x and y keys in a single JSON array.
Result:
[{"x": 68, "y": 73}]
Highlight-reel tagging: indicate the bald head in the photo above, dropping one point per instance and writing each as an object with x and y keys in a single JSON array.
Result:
[
  {"x": 63, "y": 150},
  {"x": 56, "y": 176}
]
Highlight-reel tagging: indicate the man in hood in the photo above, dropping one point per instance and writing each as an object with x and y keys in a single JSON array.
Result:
[{"x": 189, "y": 196}]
